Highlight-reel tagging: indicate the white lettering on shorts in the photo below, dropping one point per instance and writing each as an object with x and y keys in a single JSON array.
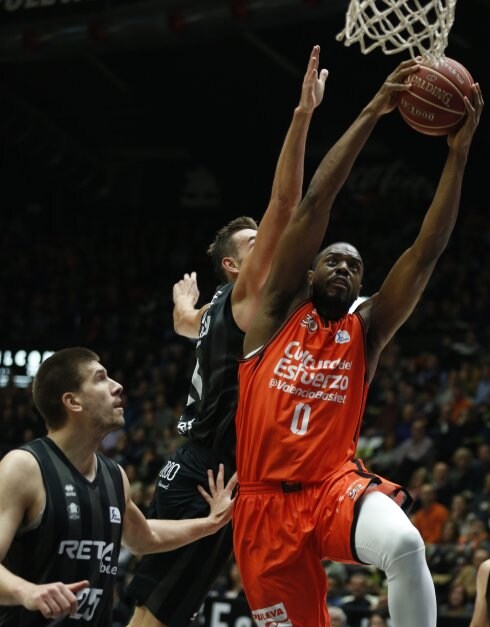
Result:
[
  {"x": 272, "y": 616},
  {"x": 168, "y": 473}
]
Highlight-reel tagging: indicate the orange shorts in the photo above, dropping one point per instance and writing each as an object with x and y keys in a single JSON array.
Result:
[{"x": 282, "y": 532}]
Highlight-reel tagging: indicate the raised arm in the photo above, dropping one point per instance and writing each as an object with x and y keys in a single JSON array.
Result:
[
  {"x": 21, "y": 495},
  {"x": 481, "y": 616},
  {"x": 154, "y": 536},
  {"x": 403, "y": 287},
  {"x": 287, "y": 190},
  {"x": 306, "y": 230},
  {"x": 187, "y": 319}
]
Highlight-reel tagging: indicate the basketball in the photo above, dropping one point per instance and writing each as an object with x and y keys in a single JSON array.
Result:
[{"x": 435, "y": 105}]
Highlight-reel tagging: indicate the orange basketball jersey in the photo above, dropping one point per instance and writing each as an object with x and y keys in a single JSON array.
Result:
[{"x": 302, "y": 398}]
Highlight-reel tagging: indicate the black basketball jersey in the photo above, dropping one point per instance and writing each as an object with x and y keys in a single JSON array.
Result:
[
  {"x": 79, "y": 537},
  {"x": 209, "y": 417}
]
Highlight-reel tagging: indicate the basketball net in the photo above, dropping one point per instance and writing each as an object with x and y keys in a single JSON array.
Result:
[{"x": 419, "y": 26}]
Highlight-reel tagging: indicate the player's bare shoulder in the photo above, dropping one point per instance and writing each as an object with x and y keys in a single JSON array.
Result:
[
  {"x": 484, "y": 570},
  {"x": 20, "y": 464},
  {"x": 21, "y": 479}
]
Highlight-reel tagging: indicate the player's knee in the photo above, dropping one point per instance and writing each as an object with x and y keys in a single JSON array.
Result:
[{"x": 404, "y": 543}]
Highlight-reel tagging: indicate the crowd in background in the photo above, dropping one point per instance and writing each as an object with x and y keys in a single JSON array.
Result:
[{"x": 107, "y": 285}]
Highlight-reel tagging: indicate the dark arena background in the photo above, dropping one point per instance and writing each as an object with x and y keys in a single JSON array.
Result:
[{"x": 130, "y": 132}]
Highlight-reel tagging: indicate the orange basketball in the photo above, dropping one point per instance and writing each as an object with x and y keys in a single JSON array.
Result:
[{"x": 435, "y": 105}]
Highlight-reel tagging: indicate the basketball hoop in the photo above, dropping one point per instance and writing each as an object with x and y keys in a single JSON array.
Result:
[{"x": 419, "y": 26}]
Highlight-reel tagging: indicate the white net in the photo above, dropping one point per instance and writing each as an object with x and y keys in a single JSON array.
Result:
[{"x": 421, "y": 27}]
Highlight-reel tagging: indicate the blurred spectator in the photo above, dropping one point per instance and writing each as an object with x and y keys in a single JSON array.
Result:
[
  {"x": 376, "y": 620},
  {"x": 443, "y": 558},
  {"x": 431, "y": 515},
  {"x": 464, "y": 475},
  {"x": 335, "y": 590},
  {"x": 475, "y": 535},
  {"x": 467, "y": 573},
  {"x": 456, "y": 603},
  {"x": 383, "y": 459},
  {"x": 358, "y": 602},
  {"x": 417, "y": 450},
  {"x": 460, "y": 512},
  {"x": 419, "y": 477},
  {"x": 338, "y": 618},
  {"x": 387, "y": 414},
  {"x": 441, "y": 483}
]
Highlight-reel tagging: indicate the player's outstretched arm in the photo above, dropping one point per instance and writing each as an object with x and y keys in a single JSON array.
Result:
[
  {"x": 287, "y": 189},
  {"x": 408, "y": 278},
  {"x": 153, "y": 536},
  {"x": 307, "y": 227},
  {"x": 20, "y": 485},
  {"x": 481, "y": 615},
  {"x": 187, "y": 319}
]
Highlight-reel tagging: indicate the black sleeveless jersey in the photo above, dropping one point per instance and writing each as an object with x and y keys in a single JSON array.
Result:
[
  {"x": 209, "y": 417},
  {"x": 79, "y": 537}
]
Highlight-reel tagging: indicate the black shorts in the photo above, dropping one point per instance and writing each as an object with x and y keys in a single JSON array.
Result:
[{"x": 173, "y": 585}]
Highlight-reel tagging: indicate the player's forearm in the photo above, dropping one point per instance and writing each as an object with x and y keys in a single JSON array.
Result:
[
  {"x": 186, "y": 318},
  {"x": 12, "y": 587},
  {"x": 335, "y": 167},
  {"x": 167, "y": 535},
  {"x": 287, "y": 187},
  {"x": 441, "y": 217}
]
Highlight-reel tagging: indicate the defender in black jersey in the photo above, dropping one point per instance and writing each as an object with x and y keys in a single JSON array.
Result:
[
  {"x": 169, "y": 589},
  {"x": 65, "y": 509}
]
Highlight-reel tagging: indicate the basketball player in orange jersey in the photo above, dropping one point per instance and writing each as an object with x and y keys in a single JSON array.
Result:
[
  {"x": 170, "y": 590},
  {"x": 303, "y": 495}
]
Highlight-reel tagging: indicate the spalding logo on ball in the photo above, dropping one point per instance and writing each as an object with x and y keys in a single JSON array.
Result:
[{"x": 434, "y": 105}]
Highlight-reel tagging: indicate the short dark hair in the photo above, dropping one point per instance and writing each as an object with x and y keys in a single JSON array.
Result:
[
  {"x": 223, "y": 244},
  {"x": 60, "y": 373}
]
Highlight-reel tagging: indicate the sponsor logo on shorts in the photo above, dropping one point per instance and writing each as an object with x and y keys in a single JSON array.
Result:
[
  {"x": 353, "y": 491},
  {"x": 167, "y": 473},
  {"x": 272, "y": 616}
]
